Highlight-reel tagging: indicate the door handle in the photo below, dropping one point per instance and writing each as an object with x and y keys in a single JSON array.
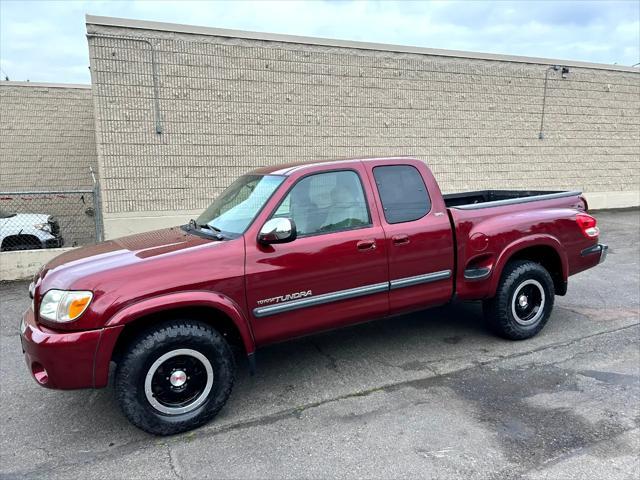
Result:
[
  {"x": 364, "y": 245},
  {"x": 400, "y": 239}
]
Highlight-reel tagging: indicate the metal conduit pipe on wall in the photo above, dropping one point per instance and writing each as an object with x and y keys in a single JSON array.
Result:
[{"x": 154, "y": 72}]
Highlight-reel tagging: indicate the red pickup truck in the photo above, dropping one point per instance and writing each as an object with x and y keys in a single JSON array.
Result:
[{"x": 287, "y": 251}]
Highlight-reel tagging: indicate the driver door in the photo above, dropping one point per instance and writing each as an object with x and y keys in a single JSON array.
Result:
[{"x": 334, "y": 273}]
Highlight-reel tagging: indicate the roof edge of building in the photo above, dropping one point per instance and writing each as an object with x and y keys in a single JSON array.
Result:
[
  {"x": 13, "y": 83},
  {"x": 277, "y": 37}
]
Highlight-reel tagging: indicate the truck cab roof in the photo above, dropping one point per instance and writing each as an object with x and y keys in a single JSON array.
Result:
[{"x": 287, "y": 169}]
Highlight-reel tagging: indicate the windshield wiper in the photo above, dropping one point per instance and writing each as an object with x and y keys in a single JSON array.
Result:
[
  {"x": 193, "y": 225},
  {"x": 217, "y": 231}
]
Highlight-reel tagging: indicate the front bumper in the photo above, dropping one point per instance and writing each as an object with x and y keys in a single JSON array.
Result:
[
  {"x": 599, "y": 249},
  {"x": 63, "y": 360},
  {"x": 55, "y": 242}
]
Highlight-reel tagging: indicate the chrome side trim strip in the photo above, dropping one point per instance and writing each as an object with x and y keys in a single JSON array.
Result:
[
  {"x": 320, "y": 299},
  {"x": 350, "y": 293},
  {"x": 418, "y": 279}
]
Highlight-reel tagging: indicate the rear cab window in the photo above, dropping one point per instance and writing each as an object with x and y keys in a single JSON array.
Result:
[{"x": 403, "y": 193}]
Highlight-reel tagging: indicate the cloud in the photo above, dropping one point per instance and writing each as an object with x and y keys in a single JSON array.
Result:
[{"x": 46, "y": 41}]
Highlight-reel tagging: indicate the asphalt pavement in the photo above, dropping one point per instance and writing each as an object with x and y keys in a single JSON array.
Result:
[{"x": 427, "y": 395}]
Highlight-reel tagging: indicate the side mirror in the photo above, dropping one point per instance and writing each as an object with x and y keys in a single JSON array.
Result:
[{"x": 277, "y": 230}]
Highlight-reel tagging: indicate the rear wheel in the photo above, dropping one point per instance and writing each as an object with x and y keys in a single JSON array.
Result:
[
  {"x": 175, "y": 377},
  {"x": 523, "y": 302}
]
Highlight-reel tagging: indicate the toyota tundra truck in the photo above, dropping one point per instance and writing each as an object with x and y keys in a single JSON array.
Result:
[{"x": 288, "y": 251}]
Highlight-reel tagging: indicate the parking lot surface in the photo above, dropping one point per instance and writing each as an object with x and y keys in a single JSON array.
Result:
[{"x": 432, "y": 394}]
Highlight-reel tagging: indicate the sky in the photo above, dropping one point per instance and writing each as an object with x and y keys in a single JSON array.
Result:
[{"x": 45, "y": 40}]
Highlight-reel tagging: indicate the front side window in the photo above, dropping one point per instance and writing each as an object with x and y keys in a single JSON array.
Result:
[
  {"x": 326, "y": 202},
  {"x": 402, "y": 192},
  {"x": 234, "y": 210}
]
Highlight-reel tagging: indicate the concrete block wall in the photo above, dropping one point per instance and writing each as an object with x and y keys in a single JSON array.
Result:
[
  {"x": 47, "y": 137},
  {"x": 233, "y": 101},
  {"x": 48, "y": 143}
]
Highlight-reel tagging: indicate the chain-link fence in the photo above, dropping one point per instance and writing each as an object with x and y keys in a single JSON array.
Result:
[{"x": 51, "y": 219}]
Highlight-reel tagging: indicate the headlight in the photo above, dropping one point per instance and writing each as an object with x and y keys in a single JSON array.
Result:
[
  {"x": 45, "y": 227},
  {"x": 64, "y": 306}
]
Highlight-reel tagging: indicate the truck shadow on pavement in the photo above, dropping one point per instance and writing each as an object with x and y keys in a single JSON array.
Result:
[{"x": 286, "y": 370}]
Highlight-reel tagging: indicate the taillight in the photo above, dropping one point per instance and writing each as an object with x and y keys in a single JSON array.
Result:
[{"x": 588, "y": 225}]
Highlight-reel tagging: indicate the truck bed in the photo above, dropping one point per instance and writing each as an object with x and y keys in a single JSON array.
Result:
[{"x": 494, "y": 198}]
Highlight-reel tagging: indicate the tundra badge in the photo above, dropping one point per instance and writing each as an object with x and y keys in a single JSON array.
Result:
[{"x": 285, "y": 298}]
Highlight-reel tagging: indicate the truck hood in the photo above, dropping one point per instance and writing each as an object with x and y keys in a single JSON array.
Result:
[{"x": 84, "y": 267}]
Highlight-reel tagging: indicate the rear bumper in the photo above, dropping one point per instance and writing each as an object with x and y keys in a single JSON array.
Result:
[
  {"x": 599, "y": 249},
  {"x": 63, "y": 360}
]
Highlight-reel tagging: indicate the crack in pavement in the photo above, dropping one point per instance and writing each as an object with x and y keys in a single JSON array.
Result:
[
  {"x": 416, "y": 365},
  {"x": 559, "y": 344},
  {"x": 609, "y": 312},
  {"x": 173, "y": 462}
]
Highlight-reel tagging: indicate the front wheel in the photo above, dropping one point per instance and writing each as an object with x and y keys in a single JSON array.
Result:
[
  {"x": 523, "y": 301},
  {"x": 174, "y": 377}
]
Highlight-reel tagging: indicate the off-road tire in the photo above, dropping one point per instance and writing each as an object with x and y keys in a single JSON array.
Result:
[
  {"x": 148, "y": 347},
  {"x": 498, "y": 310}
]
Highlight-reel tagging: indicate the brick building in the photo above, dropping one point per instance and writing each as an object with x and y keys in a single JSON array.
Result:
[{"x": 47, "y": 136}]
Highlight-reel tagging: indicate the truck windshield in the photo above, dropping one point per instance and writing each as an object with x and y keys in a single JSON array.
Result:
[{"x": 234, "y": 210}]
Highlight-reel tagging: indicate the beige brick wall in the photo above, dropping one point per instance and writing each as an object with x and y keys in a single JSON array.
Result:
[
  {"x": 230, "y": 104},
  {"x": 47, "y": 137}
]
